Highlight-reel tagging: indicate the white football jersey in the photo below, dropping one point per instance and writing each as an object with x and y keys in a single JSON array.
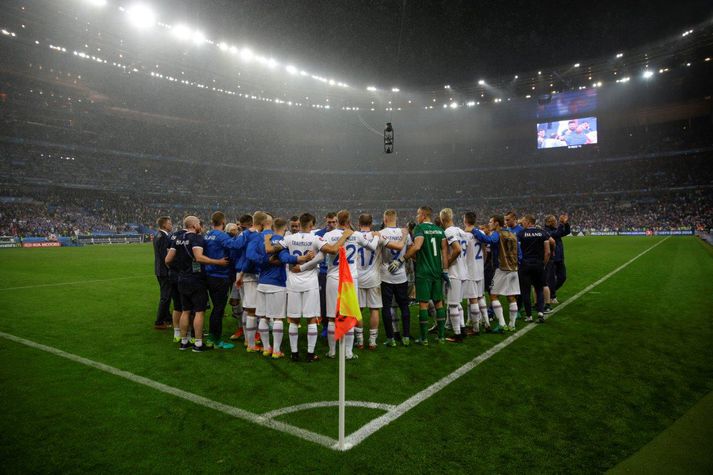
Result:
[
  {"x": 389, "y": 255},
  {"x": 351, "y": 247},
  {"x": 297, "y": 245},
  {"x": 474, "y": 258},
  {"x": 369, "y": 262},
  {"x": 457, "y": 270}
]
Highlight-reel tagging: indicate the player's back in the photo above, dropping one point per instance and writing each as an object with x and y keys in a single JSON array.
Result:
[
  {"x": 299, "y": 244},
  {"x": 389, "y": 255},
  {"x": 350, "y": 247},
  {"x": 457, "y": 270},
  {"x": 369, "y": 264},
  {"x": 428, "y": 260},
  {"x": 474, "y": 258}
]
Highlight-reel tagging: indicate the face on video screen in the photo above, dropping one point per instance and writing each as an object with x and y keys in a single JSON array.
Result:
[{"x": 570, "y": 133}]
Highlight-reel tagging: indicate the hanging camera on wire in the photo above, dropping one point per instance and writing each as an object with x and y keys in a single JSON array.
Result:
[{"x": 388, "y": 138}]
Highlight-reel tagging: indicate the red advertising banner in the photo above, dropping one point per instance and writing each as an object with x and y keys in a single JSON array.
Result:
[{"x": 41, "y": 244}]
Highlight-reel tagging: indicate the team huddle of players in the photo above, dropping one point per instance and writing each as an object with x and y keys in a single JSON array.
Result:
[{"x": 272, "y": 274}]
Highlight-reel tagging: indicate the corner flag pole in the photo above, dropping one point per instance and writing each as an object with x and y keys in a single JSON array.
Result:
[{"x": 342, "y": 391}]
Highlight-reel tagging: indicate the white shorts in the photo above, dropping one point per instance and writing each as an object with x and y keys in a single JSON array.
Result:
[
  {"x": 331, "y": 296},
  {"x": 473, "y": 289},
  {"x": 370, "y": 298},
  {"x": 455, "y": 293},
  {"x": 250, "y": 294},
  {"x": 505, "y": 283},
  {"x": 271, "y": 304},
  {"x": 303, "y": 304}
]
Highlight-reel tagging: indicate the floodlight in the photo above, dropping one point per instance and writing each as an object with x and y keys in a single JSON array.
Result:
[
  {"x": 648, "y": 74},
  {"x": 291, "y": 69},
  {"x": 395, "y": 89},
  {"x": 576, "y": 65},
  {"x": 371, "y": 88},
  {"x": 141, "y": 16},
  {"x": 198, "y": 38},
  {"x": 246, "y": 54},
  {"x": 447, "y": 86},
  {"x": 223, "y": 46},
  {"x": 454, "y": 105},
  {"x": 271, "y": 63},
  {"x": 96, "y": 3}
]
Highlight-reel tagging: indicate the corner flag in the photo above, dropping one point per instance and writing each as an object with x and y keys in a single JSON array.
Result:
[{"x": 348, "y": 311}]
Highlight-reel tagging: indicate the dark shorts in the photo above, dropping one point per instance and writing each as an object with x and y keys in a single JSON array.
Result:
[
  {"x": 175, "y": 294},
  {"x": 429, "y": 289},
  {"x": 194, "y": 294}
]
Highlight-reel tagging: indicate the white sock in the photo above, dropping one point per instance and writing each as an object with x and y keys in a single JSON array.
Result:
[
  {"x": 244, "y": 319},
  {"x": 373, "y": 334},
  {"x": 359, "y": 334},
  {"x": 184, "y": 340},
  {"x": 330, "y": 338},
  {"x": 498, "y": 309},
  {"x": 513, "y": 314},
  {"x": 475, "y": 317},
  {"x": 264, "y": 329},
  {"x": 349, "y": 342},
  {"x": 484, "y": 311},
  {"x": 454, "y": 317},
  {"x": 250, "y": 329},
  {"x": 277, "y": 327},
  {"x": 199, "y": 342},
  {"x": 311, "y": 337},
  {"x": 462, "y": 316},
  {"x": 176, "y": 332},
  {"x": 294, "y": 333}
]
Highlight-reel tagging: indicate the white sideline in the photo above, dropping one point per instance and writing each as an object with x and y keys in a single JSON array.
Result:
[
  {"x": 194, "y": 398},
  {"x": 374, "y": 425},
  {"x": 266, "y": 419},
  {"x": 57, "y": 284}
]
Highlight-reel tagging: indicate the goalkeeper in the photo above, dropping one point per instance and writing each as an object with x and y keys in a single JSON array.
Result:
[{"x": 430, "y": 249}]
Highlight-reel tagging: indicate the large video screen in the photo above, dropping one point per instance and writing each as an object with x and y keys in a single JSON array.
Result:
[{"x": 571, "y": 133}]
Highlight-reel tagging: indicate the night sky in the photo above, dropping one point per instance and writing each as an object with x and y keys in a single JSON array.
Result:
[{"x": 443, "y": 41}]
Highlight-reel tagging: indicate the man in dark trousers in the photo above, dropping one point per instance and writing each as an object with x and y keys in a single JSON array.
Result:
[
  {"x": 557, "y": 272},
  {"x": 161, "y": 242},
  {"x": 535, "y": 246}
]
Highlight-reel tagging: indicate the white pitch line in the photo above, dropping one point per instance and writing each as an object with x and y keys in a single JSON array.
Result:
[
  {"x": 314, "y": 405},
  {"x": 58, "y": 284},
  {"x": 194, "y": 398},
  {"x": 355, "y": 438}
]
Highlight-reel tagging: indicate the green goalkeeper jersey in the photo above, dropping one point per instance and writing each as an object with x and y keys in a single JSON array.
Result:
[{"x": 429, "y": 264}]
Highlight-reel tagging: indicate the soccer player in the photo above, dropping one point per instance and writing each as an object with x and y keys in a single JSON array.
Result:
[
  {"x": 394, "y": 280},
  {"x": 457, "y": 272},
  {"x": 302, "y": 285},
  {"x": 430, "y": 249},
  {"x": 294, "y": 226},
  {"x": 558, "y": 274},
  {"x": 218, "y": 245},
  {"x": 503, "y": 245},
  {"x": 271, "y": 288},
  {"x": 369, "y": 265},
  {"x": 513, "y": 225},
  {"x": 330, "y": 244},
  {"x": 236, "y": 293},
  {"x": 535, "y": 245},
  {"x": 473, "y": 289},
  {"x": 330, "y": 223},
  {"x": 187, "y": 250},
  {"x": 247, "y": 276},
  {"x": 161, "y": 242}
]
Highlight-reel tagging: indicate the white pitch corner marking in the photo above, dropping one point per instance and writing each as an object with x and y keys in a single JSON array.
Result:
[{"x": 314, "y": 405}]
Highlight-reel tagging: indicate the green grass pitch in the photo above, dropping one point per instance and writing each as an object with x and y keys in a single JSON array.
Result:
[{"x": 581, "y": 393}]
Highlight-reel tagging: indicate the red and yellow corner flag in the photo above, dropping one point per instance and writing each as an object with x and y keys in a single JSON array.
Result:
[{"x": 348, "y": 311}]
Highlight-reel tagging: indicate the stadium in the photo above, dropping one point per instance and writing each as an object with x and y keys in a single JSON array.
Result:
[{"x": 409, "y": 237}]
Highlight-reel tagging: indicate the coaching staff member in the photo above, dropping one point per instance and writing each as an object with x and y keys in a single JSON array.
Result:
[{"x": 161, "y": 243}]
